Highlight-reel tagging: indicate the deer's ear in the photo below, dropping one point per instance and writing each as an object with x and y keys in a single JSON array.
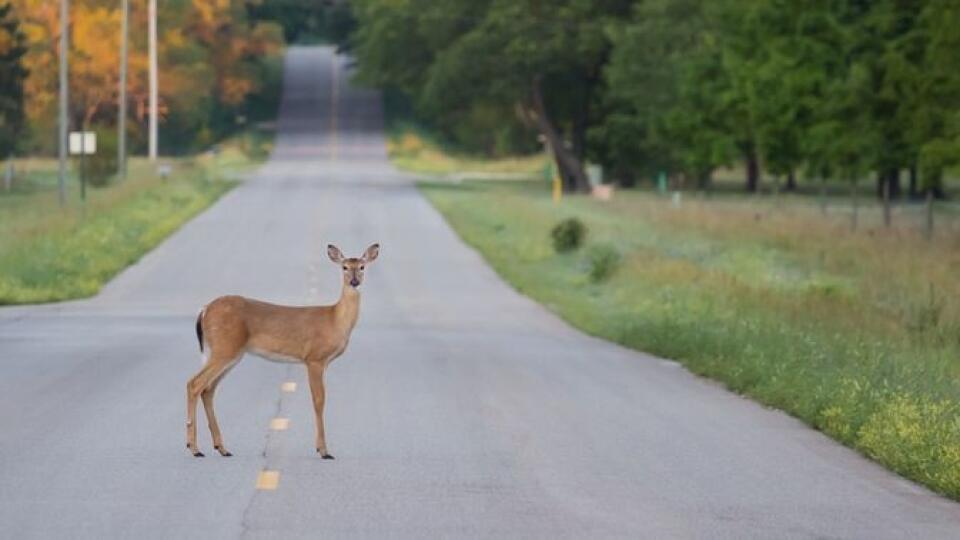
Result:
[
  {"x": 371, "y": 253},
  {"x": 334, "y": 253}
]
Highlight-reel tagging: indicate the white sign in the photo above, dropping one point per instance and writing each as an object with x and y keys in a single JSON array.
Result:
[
  {"x": 83, "y": 142},
  {"x": 594, "y": 174}
]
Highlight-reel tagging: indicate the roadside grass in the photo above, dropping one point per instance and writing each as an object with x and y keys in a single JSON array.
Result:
[
  {"x": 857, "y": 334},
  {"x": 413, "y": 151},
  {"x": 49, "y": 253}
]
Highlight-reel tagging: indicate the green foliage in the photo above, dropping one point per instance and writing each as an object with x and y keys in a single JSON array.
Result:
[
  {"x": 75, "y": 259},
  {"x": 12, "y": 75},
  {"x": 602, "y": 262},
  {"x": 197, "y": 122},
  {"x": 473, "y": 65},
  {"x": 788, "y": 313},
  {"x": 835, "y": 89},
  {"x": 665, "y": 87},
  {"x": 102, "y": 166},
  {"x": 307, "y": 21},
  {"x": 568, "y": 235}
]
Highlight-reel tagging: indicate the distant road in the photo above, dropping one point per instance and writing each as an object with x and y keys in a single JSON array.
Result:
[{"x": 461, "y": 408}]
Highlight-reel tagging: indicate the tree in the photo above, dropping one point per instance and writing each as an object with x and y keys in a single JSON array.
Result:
[
  {"x": 645, "y": 127},
  {"x": 687, "y": 73},
  {"x": 933, "y": 95},
  {"x": 542, "y": 60},
  {"x": 212, "y": 58},
  {"x": 12, "y": 76}
]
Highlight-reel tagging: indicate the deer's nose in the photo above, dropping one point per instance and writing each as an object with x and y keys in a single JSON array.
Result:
[{"x": 354, "y": 282}]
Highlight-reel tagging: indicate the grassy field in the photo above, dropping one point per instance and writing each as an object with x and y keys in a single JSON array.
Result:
[
  {"x": 49, "y": 253},
  {"x": 857, "y": 334},
  {"x": 413, "y": 151}
]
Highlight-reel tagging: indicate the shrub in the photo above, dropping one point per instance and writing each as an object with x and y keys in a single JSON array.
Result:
[
  {"x": 602, "y": 262},
  {"x": 102, "y": 166},
  {"x": 568, "y": 235}
]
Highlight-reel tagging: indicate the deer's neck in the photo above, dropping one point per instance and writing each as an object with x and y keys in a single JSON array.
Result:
[{"x": 347, "y": 309}]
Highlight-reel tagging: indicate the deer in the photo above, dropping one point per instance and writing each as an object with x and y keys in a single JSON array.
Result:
[{"x": 231, "y": 326}]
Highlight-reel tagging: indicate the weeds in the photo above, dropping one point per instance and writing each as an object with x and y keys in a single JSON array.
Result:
[
  {"x": 602, "y": 262},
  {"x": 842, "y": 330},
  {"x": 48, "y": 253},
  {"x": 413, "y": 151}
]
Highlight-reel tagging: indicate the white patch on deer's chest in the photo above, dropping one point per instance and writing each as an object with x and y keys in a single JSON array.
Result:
[{"x": 274, "y": 357}]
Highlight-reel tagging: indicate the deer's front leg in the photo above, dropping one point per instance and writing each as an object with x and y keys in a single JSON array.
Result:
[{"x": 315, "y": 372}]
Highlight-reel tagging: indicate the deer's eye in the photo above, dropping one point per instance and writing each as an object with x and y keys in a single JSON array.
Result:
[
  {"x": 344, "y": 267},
  {"x": 362, "y": 267}
]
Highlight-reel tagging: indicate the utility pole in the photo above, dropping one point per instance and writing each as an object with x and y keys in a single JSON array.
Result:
[
  {"x": 152, "y": 15},
  {"x": 122, "y": 106},
  {"x": 64, "y": 97}
]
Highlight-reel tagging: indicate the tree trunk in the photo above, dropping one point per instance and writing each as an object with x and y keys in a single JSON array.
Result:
[
  {"x": 704, "y": 180},
  {"x": 625, "y": 178},
  {"x": 886, "y": 204},
  {"x": 823, "y": 195},
  {"x": 581, "y": 120},
  {"x": 570, "y": 167},
  {"x": 854, "y": 202},
  {"x": 791, "y": 182},
  {"x": 891, "y": 179},
  {"x": 913, "y": 192},
  {"x": 753, "y": 169}
]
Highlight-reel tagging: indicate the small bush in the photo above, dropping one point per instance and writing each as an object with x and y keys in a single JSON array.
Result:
[
  {"x": 102, "y": 166},
  {"x": 568, "y": 235},
  {"x": 602, "y": 261}
]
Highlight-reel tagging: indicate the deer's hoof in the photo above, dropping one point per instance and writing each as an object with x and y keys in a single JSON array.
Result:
[
  {"x": 226, "y": 454},
  {"x": 326, "y": 456},
  {"x": 223, "y": 451},
  {"x": 198, "y": 454}
]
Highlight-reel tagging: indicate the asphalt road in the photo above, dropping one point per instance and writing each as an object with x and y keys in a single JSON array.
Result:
[{"x": 461, "y": 409}]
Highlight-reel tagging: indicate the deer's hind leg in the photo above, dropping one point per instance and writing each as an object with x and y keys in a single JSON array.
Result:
[
  {"x": 198, "y": 385},
  {"x": 207, "y": 397}
]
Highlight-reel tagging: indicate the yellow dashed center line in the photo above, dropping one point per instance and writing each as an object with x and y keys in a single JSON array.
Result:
[{"x": 268, "y": 480}]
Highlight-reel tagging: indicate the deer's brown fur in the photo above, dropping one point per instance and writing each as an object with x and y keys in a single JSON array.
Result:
[{"x": 231, "y": 326}]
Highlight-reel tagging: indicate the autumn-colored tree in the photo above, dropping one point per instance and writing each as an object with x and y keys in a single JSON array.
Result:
[
  {"x": 12, "y": 73},
  {"x": 210, "y": 58}
]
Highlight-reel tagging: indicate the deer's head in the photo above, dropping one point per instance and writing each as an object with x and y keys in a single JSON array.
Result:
[{"x": 353, "y": 267}]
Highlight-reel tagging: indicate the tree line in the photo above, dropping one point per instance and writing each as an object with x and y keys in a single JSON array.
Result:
[
  {"x": 214, "y": 58},
  {"x": 820, "y": 90}
]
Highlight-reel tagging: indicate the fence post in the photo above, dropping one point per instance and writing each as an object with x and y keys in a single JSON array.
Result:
[
  {"x": 886, "y": 203},
  {"x": 823, "y": 195},
  {"x": 928, "y": 232},
  {"x": 8, "y": 175},
  {"x": 855, "y": 203}
]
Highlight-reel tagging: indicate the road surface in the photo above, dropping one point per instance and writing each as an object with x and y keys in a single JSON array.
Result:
[{"x": 461, "y": 408}]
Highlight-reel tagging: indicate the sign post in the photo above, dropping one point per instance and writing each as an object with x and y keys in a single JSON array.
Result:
[{"x": 83, "y": 143}]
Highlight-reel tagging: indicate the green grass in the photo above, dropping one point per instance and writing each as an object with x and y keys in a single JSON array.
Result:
[
  {"x": 414, "y": 151},
  {"x": 49, "y": 253},
  {"x": 857, "y": 334}
]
